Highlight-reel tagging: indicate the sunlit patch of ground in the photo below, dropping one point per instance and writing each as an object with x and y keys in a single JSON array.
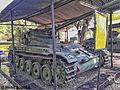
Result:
[
  {"x": 116, "y": 62},
  {"x": 83, "y": 78},
  {"x": 4, "y": 83},
  {"x": 5, "y": 69},
  {"x": 116, "y": 59}
]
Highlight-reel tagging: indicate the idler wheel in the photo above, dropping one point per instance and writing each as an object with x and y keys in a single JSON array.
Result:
[
  {"x": 28, "y": 66},
  {"x": 22, "y": 63},
  {"x": 61, "y": 75},
  {"x": 36, "y": 70},
  {"x": 46, "y": 75}
]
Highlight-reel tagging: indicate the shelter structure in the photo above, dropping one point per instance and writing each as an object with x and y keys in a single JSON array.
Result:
[{"x": 46, "y": 12}]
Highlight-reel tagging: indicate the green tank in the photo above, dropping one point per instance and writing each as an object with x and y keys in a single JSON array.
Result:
[{"x": 34, "y": 55}]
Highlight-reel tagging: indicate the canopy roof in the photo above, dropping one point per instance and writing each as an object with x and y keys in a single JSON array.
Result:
[{"x": 39, "y": 10}]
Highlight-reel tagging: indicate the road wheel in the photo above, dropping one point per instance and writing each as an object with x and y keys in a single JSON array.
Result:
[
  {"x": 28, "y": 66},
  {"x": 46, "y": 75},
  {"x": 36, "y": 70},
  {"x": 22, "y": 64},
  {"x": 61, "y": 75}
]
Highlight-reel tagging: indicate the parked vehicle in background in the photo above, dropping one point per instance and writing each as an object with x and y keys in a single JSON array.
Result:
[
  {"x": 116, "y": 42},
  {"x": 3, "y": 55}
]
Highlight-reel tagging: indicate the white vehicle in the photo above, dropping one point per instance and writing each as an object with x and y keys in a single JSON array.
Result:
[{"x": 3, "y": 56}]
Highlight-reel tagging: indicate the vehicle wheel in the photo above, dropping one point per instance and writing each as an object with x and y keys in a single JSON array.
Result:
[
  {"x": 36, "y": 70},
  {"x": 22, "y": 63},
  {"x": 60, "y": 72},
  {"x": 102, "y": 62},
  {"x": 117, "y": 79},
  {"x": 61, "y": 75},
  {"x": 28, "y": 66},
  {"x": 46, "y": 75}
]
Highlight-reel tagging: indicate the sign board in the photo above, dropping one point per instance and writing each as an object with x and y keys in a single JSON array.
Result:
[{"x": 101, "y": 30}]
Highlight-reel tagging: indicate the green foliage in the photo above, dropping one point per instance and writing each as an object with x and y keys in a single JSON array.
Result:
[
  {"x": 117, "y": 29},
  {"x": 4, "y": 46},
  {"x": 116, "y": 15},
  {"x": 5, "y": 69},
  {"x": 5, "y": 30}
]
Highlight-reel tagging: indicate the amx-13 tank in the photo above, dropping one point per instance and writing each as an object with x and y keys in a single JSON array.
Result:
[{"x": 34, "y": 55}]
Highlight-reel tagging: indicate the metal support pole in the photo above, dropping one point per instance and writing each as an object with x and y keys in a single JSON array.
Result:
[
  {"x": 54, "y": 43},
  {"x": 67, "y": 36},
  {"x": 0, "y": 62},
  {"x": 25, "y": 23},
  {"x": 58, "y": 34},
  {"x": 13, "y": 52},
  {"x": 111, "y": 36},
  {"x": 99, "y": 66}
]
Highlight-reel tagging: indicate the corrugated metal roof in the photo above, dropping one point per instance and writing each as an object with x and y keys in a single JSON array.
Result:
[
  {"x": 64, "y": 9},
  {"x": 68, "y": 11},
  {"x": 22, "y": 8},
  {"x": 26, "y": 7},
  {"x": 99, "y": 3}
]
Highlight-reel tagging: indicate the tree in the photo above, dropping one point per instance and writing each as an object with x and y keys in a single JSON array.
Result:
[{"x": 5, "y": 30}]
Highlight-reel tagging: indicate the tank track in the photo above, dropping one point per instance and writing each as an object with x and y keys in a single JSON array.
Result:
[{"x": 27, "y": 61}]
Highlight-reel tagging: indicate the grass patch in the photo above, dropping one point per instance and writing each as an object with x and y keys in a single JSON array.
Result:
[
  {"x": 4, "y": 46},
  {"x": 5, "y": 69}
]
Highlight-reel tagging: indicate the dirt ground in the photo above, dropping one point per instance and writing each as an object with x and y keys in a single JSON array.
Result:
[
  {"x": 116, "y": 62},
  {"x": 74, "y": 84}
]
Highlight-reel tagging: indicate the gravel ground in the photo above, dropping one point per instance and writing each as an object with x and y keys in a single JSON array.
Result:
[
  {"x": 115, "y": 86},
  {"x": 5, "y": 84},
  {"x": 72, "y": 85}
]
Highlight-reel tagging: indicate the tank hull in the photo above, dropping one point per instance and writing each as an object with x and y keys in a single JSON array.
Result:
[{"x": 36, "y": 58}]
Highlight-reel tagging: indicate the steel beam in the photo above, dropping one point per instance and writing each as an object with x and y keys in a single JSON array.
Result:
[
  {"x": 111, "y": 36},
  {"x": 99, "y": 66},
  {"x": 73, "y": 20},
  {"x": 13, "y": 50},
  {"x": 12, "y": 81},
  {"x": 107, "y": 5},
  {"x": 12, "y": 8},
  {"x": 0, "y": 62},
  {"x": 54, "y": 44},
  {"x": 116, "y": 25},
  {"x": 47, "y": 9},
  {"x": 16, "y": 25}
]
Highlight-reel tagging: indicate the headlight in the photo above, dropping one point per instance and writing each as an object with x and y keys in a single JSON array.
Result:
[{"x": 96, "y": 60}]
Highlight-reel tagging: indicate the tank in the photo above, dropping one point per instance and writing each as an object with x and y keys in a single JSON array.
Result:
[
  {"x": 89, "y": 45},
  {"x": 34, "y": 55},
  {"x": 116, "y": 42}
]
